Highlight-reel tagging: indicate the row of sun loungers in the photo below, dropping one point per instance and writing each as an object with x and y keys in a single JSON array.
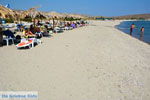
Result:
[{"x": 32, "y": 41}]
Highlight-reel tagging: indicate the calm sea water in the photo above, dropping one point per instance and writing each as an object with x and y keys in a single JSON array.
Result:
[{"x": 125, "y": 27}]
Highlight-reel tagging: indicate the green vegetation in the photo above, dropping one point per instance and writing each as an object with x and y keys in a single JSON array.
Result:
[
  {"x": 27, "y": 19},
  {"x": 132, "y": 18},
  {"x": 103, "y": 18},
  {"x": 142, "y": 18},
  {"x": 71, "y": 19},
  {"x": 9, "y": 20},
  {"x": 40, "y": 17}
]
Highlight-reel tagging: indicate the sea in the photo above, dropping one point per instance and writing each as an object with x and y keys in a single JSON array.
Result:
[{"x": 125, "y": 27}]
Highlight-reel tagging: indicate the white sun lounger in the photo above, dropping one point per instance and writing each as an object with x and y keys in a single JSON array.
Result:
[{"x": 28, "y": 43}]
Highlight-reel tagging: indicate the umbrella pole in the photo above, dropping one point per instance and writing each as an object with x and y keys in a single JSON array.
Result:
[
  {"x": 34, "y": 22},
  {"x": 1, "y": 37},
  {"x": 64, "y": 20},
  {"x": 53, "y": 23}
]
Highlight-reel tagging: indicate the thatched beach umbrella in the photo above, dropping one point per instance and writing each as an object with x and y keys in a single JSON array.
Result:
[
  {"x": 32, "y": 12},
  {"x": 6, "y": 12},
  {"x": 55, "y": 16}
]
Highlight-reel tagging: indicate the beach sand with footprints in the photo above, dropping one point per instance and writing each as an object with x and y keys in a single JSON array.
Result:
[{"x": 95, "y": 62}]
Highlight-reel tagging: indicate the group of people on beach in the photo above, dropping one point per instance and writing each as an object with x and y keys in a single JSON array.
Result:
[
  {"x": 132, "y": 27},
  {"x": 39, "y": 29}
]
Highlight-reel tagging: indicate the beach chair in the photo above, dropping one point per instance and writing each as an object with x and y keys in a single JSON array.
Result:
[
  {"x": 9, "y": 36},
  {"x": 58, "y": 30},
  {"x": 39, "y": 34},
  {"x": 7, "y": 39},
  {"x": 28, "y": 43},
  {"x": 66, "y": 28}
]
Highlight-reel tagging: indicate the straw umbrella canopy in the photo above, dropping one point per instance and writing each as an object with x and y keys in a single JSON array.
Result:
[
  {"x": 32, "y": 12},
  {"x": 6, "y": 12},
  {"x": 56, "y": 14},
  {"x": 47, "y": 15}
]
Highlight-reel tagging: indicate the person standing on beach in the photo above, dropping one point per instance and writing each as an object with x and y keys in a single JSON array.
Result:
[
  {"x": 142, "y": 34},
  {"x": 131, "y": 29}
]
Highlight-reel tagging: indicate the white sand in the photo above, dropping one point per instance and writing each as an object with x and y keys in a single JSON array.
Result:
[{"x": 97, "y": 62}]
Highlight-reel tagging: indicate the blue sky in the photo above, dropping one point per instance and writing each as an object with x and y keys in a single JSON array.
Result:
[{"x": 89, "y": 7}]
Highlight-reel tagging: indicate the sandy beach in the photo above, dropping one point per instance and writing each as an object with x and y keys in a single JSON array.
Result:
[{"x": 95, "y": 62}]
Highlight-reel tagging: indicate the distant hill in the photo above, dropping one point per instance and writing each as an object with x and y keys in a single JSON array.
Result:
[{"x": 136, "y": 16}]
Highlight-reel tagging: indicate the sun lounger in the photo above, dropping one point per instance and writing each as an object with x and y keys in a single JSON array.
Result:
[
  {"x": 28, "y": 43},
  {"x": 58, "y": 30},
  {"x": 66, "y": 28},
  {"x": 39, "y": 34}
]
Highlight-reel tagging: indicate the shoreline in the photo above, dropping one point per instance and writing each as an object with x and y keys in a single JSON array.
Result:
[{"x": 123, "y": 21}]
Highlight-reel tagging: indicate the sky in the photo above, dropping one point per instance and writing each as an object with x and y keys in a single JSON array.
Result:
[{"x": 88, "y": 7}]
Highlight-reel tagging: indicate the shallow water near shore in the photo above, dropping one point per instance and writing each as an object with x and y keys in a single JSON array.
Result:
[{"x": 125, "y": 27}]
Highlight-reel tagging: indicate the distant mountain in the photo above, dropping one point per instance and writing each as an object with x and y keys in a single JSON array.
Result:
[{"x": 136, "y": 16}]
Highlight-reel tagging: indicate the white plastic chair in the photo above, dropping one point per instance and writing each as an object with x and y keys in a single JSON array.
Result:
[
  {"x": 39, "y": 34},
  {"x": 7, "y": 39}
]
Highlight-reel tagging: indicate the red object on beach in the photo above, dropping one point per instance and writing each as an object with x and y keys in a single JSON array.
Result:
[{"x": 24, "y": 43}]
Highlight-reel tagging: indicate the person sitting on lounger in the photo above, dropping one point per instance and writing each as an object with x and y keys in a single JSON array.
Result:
[
  {"x": 28, "y": 33},
  {"x": 32, "y": 29},
  {"x": 9, "y": 33}
]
